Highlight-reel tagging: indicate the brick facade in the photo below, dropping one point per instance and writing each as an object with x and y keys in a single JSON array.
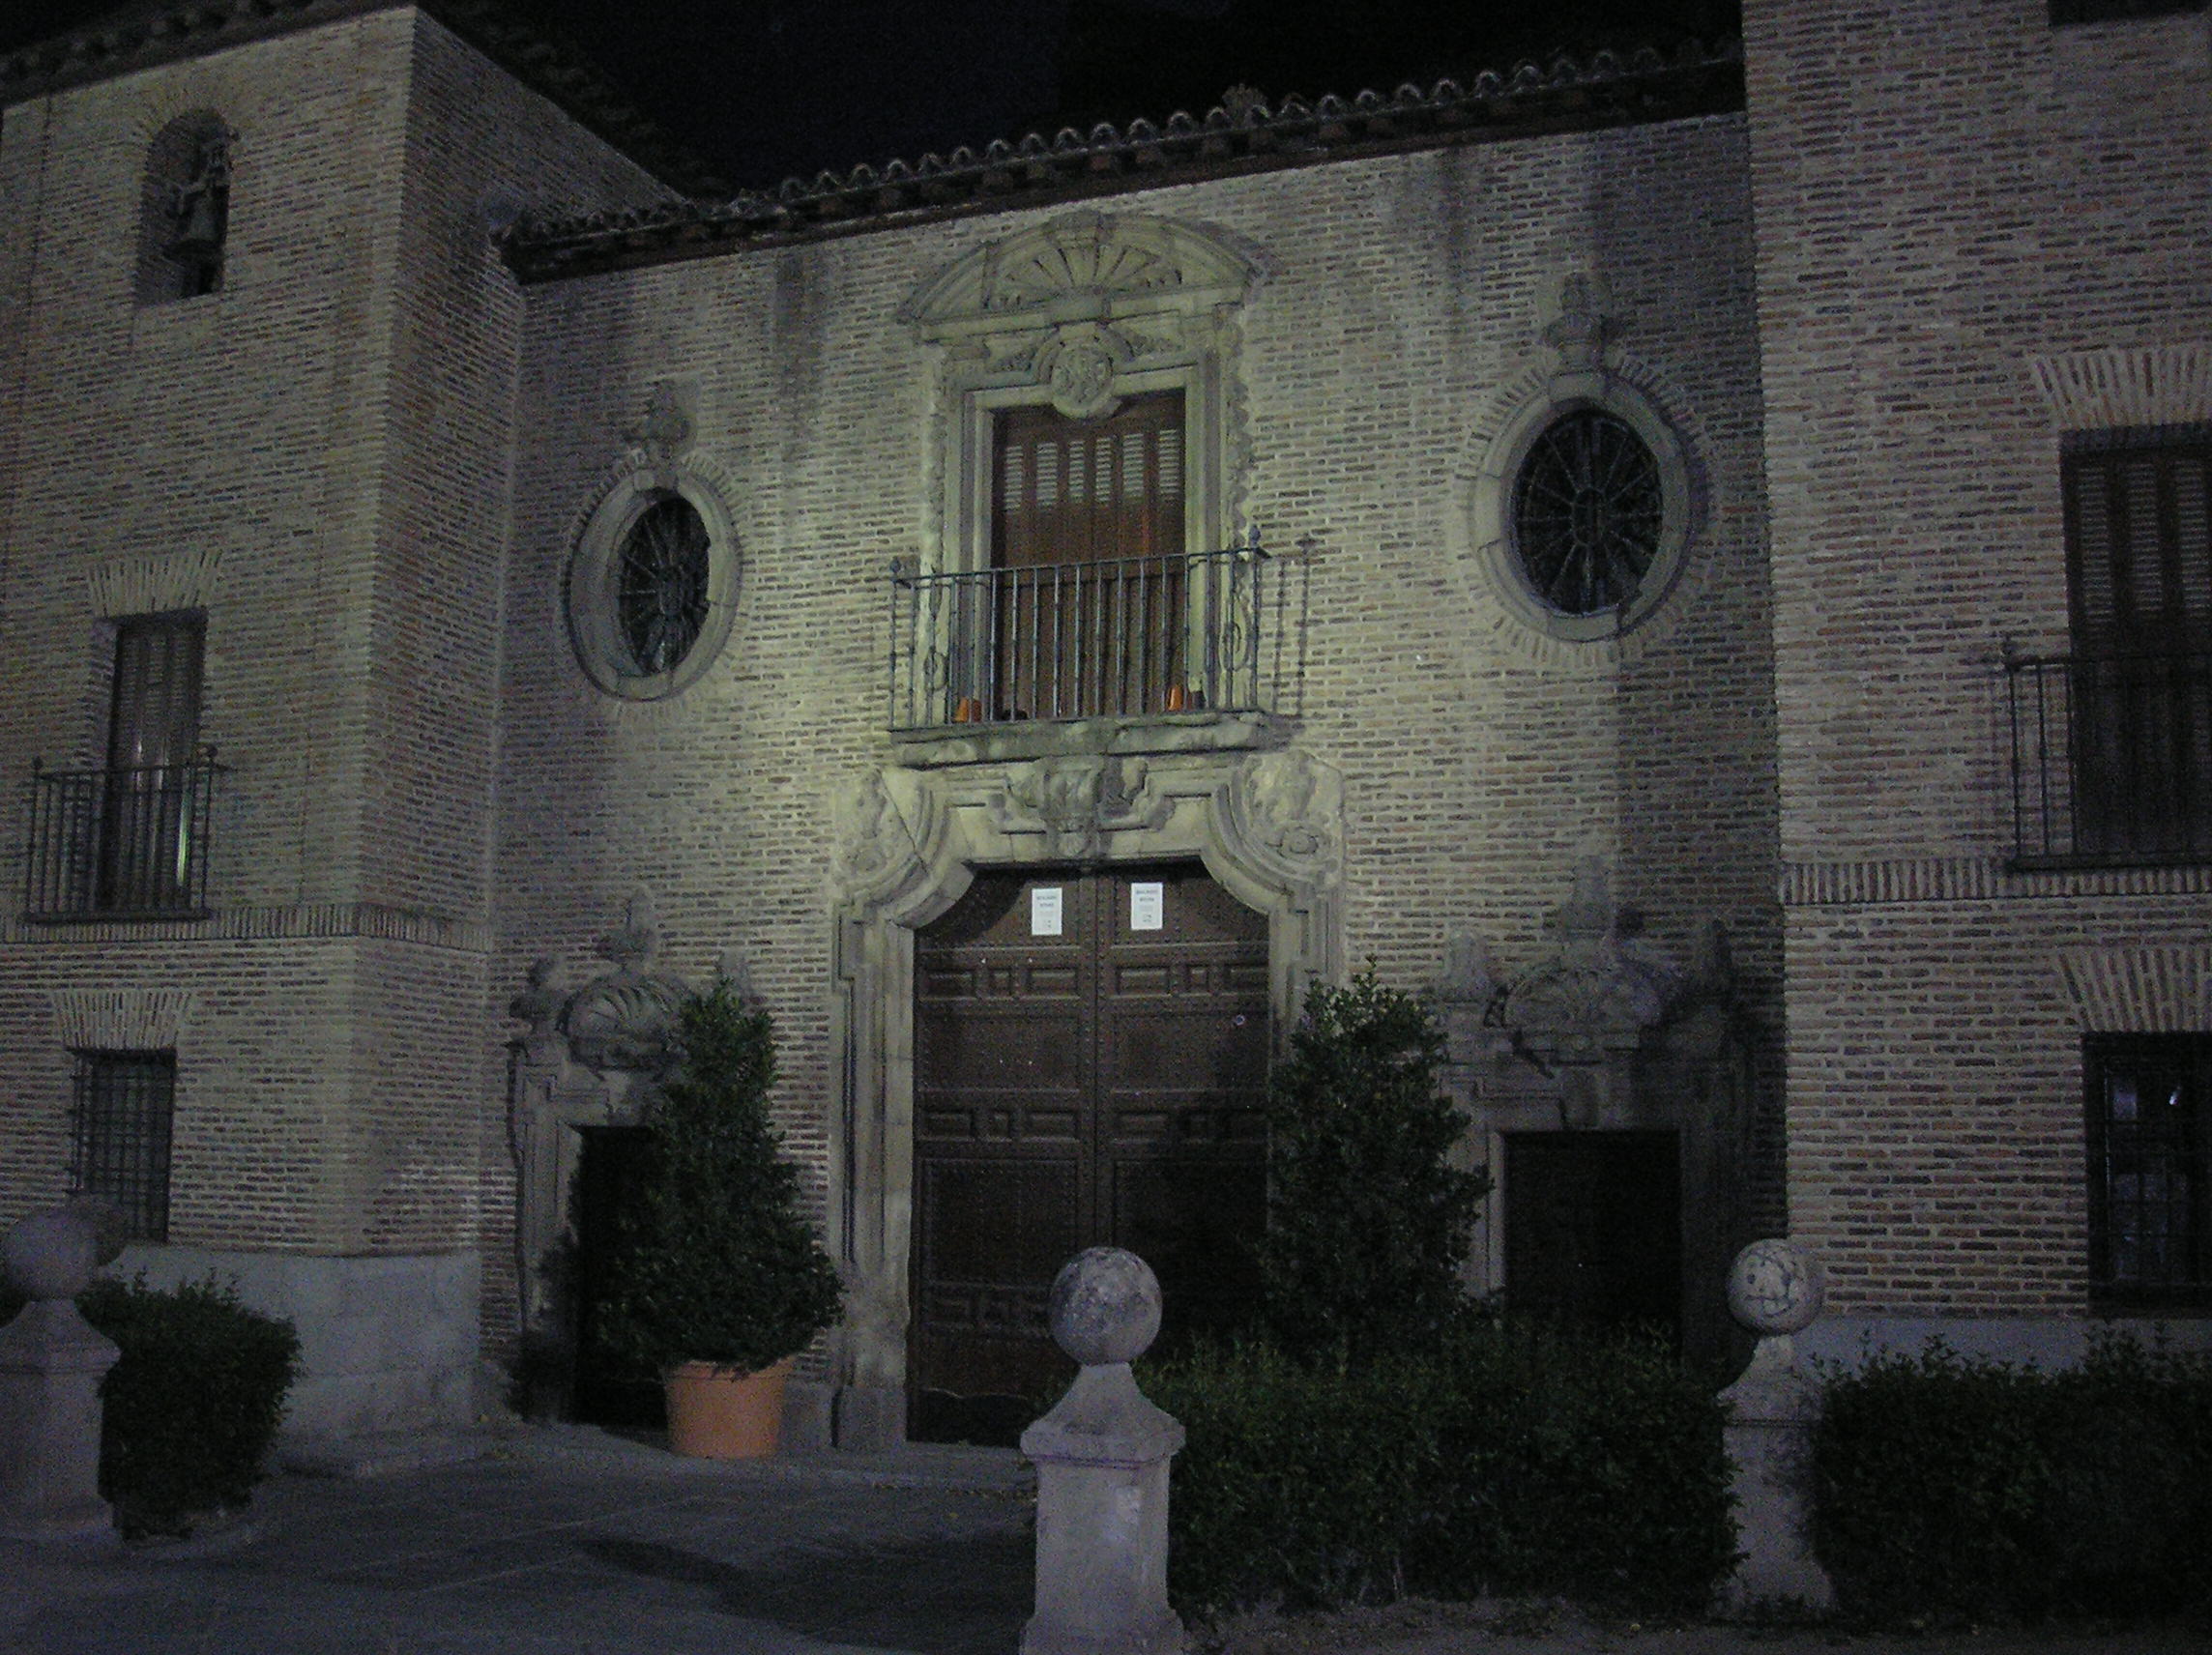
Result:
[{"x": 1864, "y": 309}]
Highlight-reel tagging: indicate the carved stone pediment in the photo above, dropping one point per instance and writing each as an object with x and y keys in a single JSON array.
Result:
[
  {"x": 1080, "y": 267},
  {"x": 1603, "y": 985},
  {"x": 1073, "y": 803}
]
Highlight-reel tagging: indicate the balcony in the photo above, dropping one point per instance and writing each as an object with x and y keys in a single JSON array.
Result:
[
  {"x": 2112, "y": 760},
  {"x": 120, "y": 844},
  {"x": 1196, "y": 642}
]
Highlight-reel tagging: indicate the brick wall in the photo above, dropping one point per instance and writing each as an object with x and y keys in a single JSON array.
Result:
[
  {"x": 316, "y": 456},
  {"x": 1402, "y": 298},
  {"x": 1949, "y": 193}
]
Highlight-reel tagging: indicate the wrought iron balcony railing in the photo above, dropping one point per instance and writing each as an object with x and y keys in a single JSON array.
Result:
[
  {"x": 1129, "y": 637},
  {"x": 2112, "y": 760},
  {"x": 120, "y": 844}
]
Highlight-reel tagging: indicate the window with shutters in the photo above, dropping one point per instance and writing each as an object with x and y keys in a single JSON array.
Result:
[
  {"x": 129, "y": 839},
  {"x": 1089, "y": 601},
  {"x": 2139, "y": 537},
  {"x": 2148, "y": 1096},
  {"x": 120, "y": 1133}
]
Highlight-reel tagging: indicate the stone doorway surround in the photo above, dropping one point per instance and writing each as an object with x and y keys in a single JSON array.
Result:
[{"x": 1268, "y": 825}]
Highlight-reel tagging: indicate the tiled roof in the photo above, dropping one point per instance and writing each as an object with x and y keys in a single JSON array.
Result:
[
  {"x": 144, "y": 35},
  {"x": 1606, "y": 90}
]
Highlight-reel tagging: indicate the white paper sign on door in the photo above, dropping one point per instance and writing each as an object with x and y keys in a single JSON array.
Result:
[
  {"x": 1044, "y": 911},
  {"x": 1148, "y": 905}
]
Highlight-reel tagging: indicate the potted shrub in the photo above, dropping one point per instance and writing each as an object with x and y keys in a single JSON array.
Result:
[{"x": 714, "y": 1277}]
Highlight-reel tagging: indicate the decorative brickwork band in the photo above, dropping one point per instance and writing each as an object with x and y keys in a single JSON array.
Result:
[
  {"x": 120, "y": 1019},
  {"x": 2140, "y": 990},
  {"x": 152, "y": 583},
  {"x": 305, "y": 919},
  {"x": 1970, "y": 879},
  {"x": 2096, "y": 391}
]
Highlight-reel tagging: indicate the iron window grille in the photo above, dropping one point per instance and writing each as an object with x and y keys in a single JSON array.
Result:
[
  {"x": 661, "y": 586},
  {"x": 120, "y": 1121},
  {"x": 1588, "y": 512},
  {"x": 2112, "y": 760}
]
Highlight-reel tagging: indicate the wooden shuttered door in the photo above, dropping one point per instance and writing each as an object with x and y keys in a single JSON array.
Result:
[
  {"x": 153, "y": 735},
  {"x": 2138, "y": 538},
  {"x": 1088, "y": 546}
]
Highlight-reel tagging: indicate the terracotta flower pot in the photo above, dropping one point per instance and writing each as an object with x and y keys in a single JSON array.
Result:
[{"x": 719, "y": 1413}]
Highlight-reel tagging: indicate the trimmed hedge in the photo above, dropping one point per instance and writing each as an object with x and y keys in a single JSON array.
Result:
[
  {"x": 1952, "y": 1488},
  {"x": 1508, "y": 1460},
  {"x": 191, "y": 1404}
]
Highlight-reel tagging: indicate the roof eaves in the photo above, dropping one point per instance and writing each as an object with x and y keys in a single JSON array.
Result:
[
  {"x": 1608, "y": 90},
  {"x": 192, "y": 28}
]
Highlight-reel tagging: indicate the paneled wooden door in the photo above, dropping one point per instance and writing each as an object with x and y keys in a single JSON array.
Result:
[{"x": 1090, "y": 1057}]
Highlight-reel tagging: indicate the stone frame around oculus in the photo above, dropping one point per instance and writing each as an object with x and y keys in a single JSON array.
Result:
[{"x": 1267, "y": 827}]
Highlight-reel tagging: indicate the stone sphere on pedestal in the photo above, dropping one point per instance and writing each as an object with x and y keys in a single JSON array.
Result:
[
  {"x": 1105, "y": 1306},
  {"x": 1776, "y": 1286},
  {"x": 51, "y": 1254}
]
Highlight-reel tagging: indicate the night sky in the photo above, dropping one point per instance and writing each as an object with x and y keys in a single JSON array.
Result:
[{"x": 781, "y": 87}]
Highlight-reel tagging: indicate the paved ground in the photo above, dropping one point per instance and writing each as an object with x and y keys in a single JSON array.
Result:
[{"x": 580, "y": 1544}]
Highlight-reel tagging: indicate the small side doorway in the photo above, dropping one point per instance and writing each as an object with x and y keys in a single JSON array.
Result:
[
  {"x": 1593, "y": 1228},
  {"x": 604, "y": 1391},
  {"x": 1090, "y": 1061}
]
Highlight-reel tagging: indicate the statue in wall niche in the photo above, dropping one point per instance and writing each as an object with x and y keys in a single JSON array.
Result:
[
  {"x": 541, "y": 1005},
  {"x": 1462, "y": 993}
]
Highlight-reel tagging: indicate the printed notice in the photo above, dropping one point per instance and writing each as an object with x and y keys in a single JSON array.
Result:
[
  {"x": 1044, "y": 911},
  {"x": 1148, "y": 905}
]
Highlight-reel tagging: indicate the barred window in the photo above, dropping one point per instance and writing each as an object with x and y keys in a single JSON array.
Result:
[
  {"x": 119, "y": 1134},
  {"x": 2147, "y": 1100}
]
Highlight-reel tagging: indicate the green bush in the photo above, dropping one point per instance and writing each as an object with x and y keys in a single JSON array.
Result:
[
  {"x": 192, "y": 1402},
  {"x": 1955, "y": 1488},
  {"x": 1367, "y": 1221},
  {"x": 713, "y": 1258},
  {"x": 1506, "y": 1460}
]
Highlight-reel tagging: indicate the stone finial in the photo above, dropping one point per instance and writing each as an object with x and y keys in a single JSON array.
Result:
[
  {"x": 52, "y": 1255},
  {"x": 1776, "y": 1287},
  {"x": 51, "y": 1363},
  {"x": 1102, "y": 1457},
  {"x": 1105, "y": 1307}
]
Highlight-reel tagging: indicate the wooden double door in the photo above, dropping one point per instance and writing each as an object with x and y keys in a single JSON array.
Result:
[{"x": 1090, "y": 1057}]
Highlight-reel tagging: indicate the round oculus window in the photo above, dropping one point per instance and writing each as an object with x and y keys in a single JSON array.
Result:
[
  {"x": 661, "y": 578},
  {"x": 1589, "y": 513},
  {"x": 651, "y": 588}
]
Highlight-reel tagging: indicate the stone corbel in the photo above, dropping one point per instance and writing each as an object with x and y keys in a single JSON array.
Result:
[{"x": 1283, "y": 813}]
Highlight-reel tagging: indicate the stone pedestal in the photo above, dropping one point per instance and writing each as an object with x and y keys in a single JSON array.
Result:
[
  {"x": 1102, "y": 1457},
  {"x": 1775, "y": 1289},
  {"x": 52, "y": 1362}
]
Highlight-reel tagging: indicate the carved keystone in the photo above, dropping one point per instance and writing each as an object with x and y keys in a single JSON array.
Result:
[
  {"x": 52, "y": 1362},
  {"x": 1102, "y": 1457}
]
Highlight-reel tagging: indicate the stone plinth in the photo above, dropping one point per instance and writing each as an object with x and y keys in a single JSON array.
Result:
[
  {"x": 1775, "y": 1290},
  {"x": 52, "y": 1362},
  {"x": 1102, "y": 1457}
]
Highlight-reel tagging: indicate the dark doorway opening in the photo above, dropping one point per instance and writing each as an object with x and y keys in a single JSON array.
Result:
[
  {"x": 1593, "y": 1229},
  {"x": 605, "y": 1391},
  {"x": 1090, "y": 1061}
]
